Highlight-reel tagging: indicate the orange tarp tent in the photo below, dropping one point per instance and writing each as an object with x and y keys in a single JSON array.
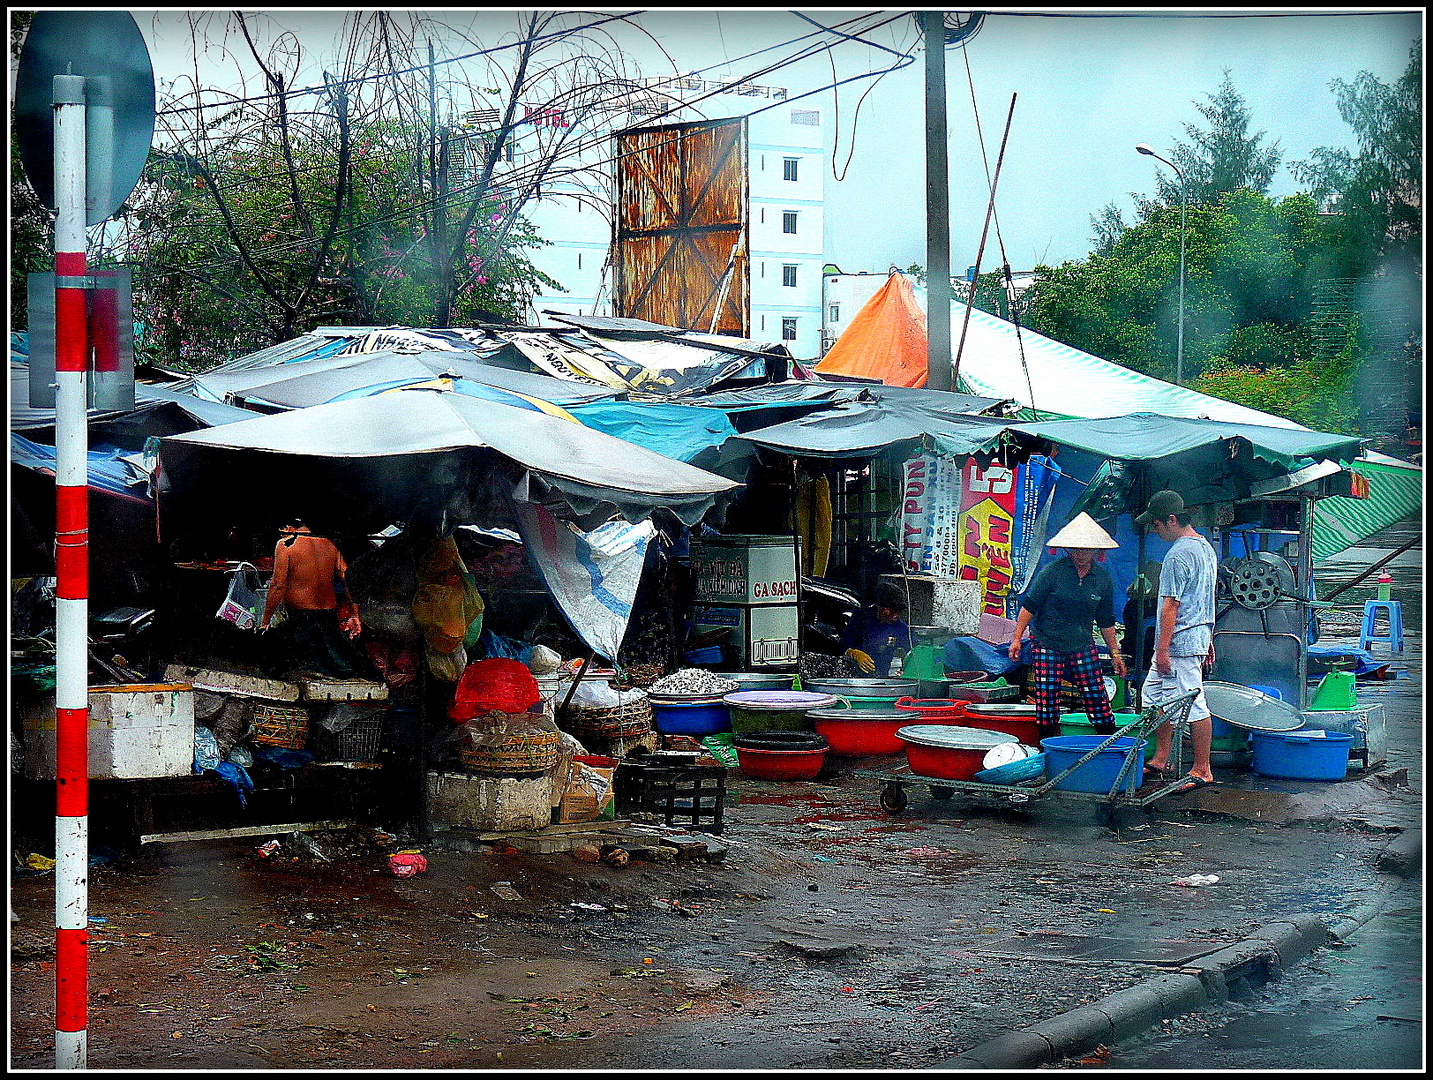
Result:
[{"x": 886, "y": 340}]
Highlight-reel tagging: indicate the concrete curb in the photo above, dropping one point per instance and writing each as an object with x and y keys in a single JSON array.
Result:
[{"x": 1208, "y": 979}]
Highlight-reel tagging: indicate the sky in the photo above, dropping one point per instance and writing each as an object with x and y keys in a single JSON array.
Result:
[{"x": 1088, "y": 87}]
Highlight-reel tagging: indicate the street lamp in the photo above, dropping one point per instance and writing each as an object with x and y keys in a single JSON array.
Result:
[{"x": 1145, "y": 148}]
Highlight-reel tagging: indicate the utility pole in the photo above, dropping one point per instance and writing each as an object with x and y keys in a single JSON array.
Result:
[{"x": 937, "y": 206}]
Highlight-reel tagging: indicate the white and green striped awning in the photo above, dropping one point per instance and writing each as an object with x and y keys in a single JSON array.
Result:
[{"x": 1395, "y": 492}]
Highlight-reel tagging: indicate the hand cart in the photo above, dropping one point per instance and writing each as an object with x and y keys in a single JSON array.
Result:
[{"x": 893, "y": 795}]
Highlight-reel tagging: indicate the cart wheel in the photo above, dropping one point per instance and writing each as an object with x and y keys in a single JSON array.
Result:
[
  {"x": 893, "y": 798},
  {"x": 941, "y": 793}
]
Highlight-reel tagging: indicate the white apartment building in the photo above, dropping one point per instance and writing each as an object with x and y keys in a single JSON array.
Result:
[{"x": 786, "y": 205}]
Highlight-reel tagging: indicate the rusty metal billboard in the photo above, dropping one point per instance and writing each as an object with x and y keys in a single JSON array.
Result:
[{"x": 681, "y": 228}]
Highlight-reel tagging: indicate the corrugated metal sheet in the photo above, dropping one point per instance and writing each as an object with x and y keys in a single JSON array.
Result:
[{"x": 682, "y": 224}]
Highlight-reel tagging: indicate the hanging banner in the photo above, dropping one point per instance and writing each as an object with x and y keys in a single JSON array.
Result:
[
  {"x": 1034, "y": 496},
  {"x": 928, "y": 520},
  {"x": 987, "y": 518}
]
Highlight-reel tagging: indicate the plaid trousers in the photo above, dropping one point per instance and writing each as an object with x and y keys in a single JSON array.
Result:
[{"x": 1081, "y": 668}]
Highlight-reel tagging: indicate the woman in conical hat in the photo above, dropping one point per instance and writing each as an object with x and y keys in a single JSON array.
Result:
[{"x": 1066, "y": 599}]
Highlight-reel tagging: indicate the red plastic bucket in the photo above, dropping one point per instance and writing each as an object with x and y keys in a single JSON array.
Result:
[{"x": 759, "y": 762}]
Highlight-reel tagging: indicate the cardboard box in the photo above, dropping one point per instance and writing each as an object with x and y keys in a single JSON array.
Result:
[{"x": 588, "y": 795}]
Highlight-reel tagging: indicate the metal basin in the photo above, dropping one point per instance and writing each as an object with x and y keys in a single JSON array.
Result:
[{"x": 864, "y": 688}]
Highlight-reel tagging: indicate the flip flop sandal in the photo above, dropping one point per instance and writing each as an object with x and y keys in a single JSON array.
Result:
[
  {"x": 1192, "y": 783},
  {"x": 1151, "y": 774}
]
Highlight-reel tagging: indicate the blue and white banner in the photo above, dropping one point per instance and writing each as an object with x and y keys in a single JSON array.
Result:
[{"x": 592, "y": 576}]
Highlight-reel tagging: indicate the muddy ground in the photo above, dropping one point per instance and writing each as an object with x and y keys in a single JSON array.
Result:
[{"x": 831, "y": 935}]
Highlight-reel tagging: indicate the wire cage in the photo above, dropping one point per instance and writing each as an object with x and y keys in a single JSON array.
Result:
[{"x": 360, "y": 740}]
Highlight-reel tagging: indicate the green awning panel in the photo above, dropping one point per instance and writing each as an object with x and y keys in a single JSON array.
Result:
[
  {"x": 1146, "y": 436},
  {"x": 1395, "y": 492}
]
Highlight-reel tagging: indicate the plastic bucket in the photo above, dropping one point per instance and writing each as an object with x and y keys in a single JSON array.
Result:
[
  {"x": 1306, "y": 754},
  {"x": 1078, "y": 723},
  {"x": 872, "y": 704},
  {"x": 706, "y": 716},
  {"x": 1097, "y": 775}
]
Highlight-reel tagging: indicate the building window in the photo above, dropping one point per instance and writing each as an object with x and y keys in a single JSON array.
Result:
[
  {"x": 763, "y": 215},
  {"x": 806, "y": 117},
  {"x": 763, "y": 324},
  {"x": 788, "y": 275},
  {"x": 763, "y": 269},
  {"x": 789, "y": 167},
  {"x": 579, "y": 260},
  {"x": 788, "y": 221},
  {"x": 788, "y": 329},
  {"x": 835, "y": 315}
]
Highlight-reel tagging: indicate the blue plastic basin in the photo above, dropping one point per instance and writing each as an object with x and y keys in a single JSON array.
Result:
[
  {"x": 1307, "y": 754},
  {"x": 691, "y": 717},
  {"x": 1100, "y": 772}
]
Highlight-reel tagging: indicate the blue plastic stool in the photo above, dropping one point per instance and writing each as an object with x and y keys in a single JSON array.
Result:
[{"x": 1393, "y": 609}]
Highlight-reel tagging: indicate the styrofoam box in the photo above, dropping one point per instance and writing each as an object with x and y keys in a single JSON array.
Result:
[
  {"x": 744, "y": 569},
  {"x": 490, "y": 802},
  {"x": 136, "y": 731}
]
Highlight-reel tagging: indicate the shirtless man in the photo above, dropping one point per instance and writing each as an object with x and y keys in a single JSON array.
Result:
[{"x": 308, "y": 579}]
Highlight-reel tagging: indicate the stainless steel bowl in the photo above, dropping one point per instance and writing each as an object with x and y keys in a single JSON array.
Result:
[{"x": 865, "y": 688}]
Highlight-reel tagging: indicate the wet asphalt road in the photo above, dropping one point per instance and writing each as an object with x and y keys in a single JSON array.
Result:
[{"x": 1354, "y": 1008}]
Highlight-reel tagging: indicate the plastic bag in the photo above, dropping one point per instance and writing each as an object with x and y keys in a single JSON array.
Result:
[
  {"x": 244, "y": 604},
  {"x": 487, "y": 685},
  {"x": 598, "y": 694},
  {"x": 206, "y": 750}
]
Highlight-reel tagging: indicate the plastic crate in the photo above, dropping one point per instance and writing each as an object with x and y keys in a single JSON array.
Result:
[{"x": 690, "y": 795}]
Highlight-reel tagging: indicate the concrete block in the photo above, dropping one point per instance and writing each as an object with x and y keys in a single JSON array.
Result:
[
  {"x": 490, "y": 802},
  {"x": 1295, "y": 937},
  {"x": 1404, "y": 853},
  {"x": 1075, "y": 1031},
  {"x": 1013, "y": 1050},
  {"x": 1137, "y": 1007}
]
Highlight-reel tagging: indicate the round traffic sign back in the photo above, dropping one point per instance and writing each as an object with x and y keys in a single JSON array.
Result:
[{"x": 107, "y": 49}]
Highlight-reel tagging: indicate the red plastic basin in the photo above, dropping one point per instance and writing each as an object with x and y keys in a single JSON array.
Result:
[
  {"x": 780, "y": 764},
  {"x": 862, "y": 732},
  {"x": 1013, "y": 719},
  {"x": 935, "y": 710},
  {"x": 944, "y": 761}
]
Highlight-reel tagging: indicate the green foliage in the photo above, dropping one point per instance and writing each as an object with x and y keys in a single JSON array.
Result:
[
  {"x": 1252, "y": 331},
  {"x": 1376, "y": 192},
  {"x": 31, "y": 245},
  {"x": 252, "y": 245},
  {"x": 1309, "y": 391},
  {"x": 1222, "y": 158}
]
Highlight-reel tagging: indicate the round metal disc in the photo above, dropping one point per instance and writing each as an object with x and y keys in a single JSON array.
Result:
[
  {"x": 1252, "y": 709},
  {"x": 107, "y": 49}
]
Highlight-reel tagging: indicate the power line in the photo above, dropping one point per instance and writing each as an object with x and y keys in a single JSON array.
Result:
[{"x": 525, "y": 175}]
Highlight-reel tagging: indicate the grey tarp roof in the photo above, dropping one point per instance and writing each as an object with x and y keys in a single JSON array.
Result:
[
  {"x": 589, "y": 468},
  {"x": 147, "y": 397},
  {"x": 304, "y": 383},
  {"x": 862, "y": 428}
]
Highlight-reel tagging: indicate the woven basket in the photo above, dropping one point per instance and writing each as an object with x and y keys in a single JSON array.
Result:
[
  {"x": 278, "y": 725},
  {"x": 634, "y": 718},
  {"x": 518, "y": 755},
  {"x": 359, "y": 741},
  {"x": 644, "y": 675}
]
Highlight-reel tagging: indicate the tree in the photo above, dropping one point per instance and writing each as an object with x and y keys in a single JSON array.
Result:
[
  {"x": 1223, "y": 158},
  {"x": 1377, "y": 192},
  {"x": 386, "y": 195},
  {"x": 31, "y": 225},
  {"x": 1375, "y": 202}
]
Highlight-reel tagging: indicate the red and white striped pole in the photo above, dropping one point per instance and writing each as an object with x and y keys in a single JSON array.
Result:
[{"x": 72, "y": 580}]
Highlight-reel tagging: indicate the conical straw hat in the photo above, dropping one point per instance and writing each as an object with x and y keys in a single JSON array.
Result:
[{"x": 1082, "y": 532}]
